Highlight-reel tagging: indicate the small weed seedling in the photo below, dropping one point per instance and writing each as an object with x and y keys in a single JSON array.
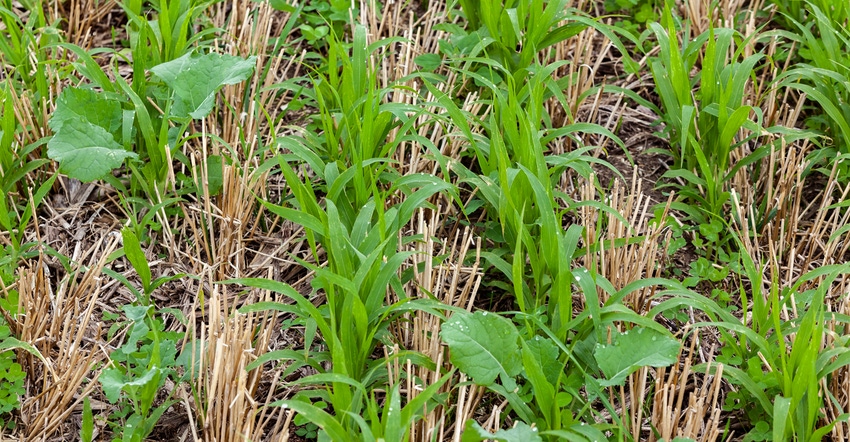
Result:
[
  {"x": 148, "y": 357},
  {"x": 11, "y": 380}
]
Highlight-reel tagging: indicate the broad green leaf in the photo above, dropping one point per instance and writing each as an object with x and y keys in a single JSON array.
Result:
[
  {"x": 112, "y": 380},
  {"x": 86, "y": 151},
  {"x": 483, "y": 345},
  {"x": 195, "y": 79},
  {"x": 522, "y": 432},
  {"x": 633, "y": 349},
  {"x": 282, "y": 5},
  {"x": 428, "y": 62},
  {"x": 143, "y": 380},
  {"x": 546, "y": 353},
  {"x": 87, "y": 105},
  {"x": 136, "y": 313},
  {"x": 85, "y": 123},
  {"x": 140, "y": 329}
]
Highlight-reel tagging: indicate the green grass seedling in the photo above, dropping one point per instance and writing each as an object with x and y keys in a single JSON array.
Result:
[
  {"x": 801, "y": 371},
  {"x": 363, "y": 262},
  {"x": 26, "y": 48},
  {"x": 784, "y": 381},
  {"x": 87, "y": 424},
  {"x": 671, "y": 72},
  {"x": 825, "y": 79},
  {"x": 14, "y": 221},
  {"x": 350, "y": 343},
  {"x": 707, "y": 126},
  {"x": 519, "y": 191},
  {"x": 15, "y": 160},
  {"x": 390, "y": 421},
  {"x": 515, "y": 32},
  {"x": 355, "y": 123},
  {"x": 793, "y": 12}
]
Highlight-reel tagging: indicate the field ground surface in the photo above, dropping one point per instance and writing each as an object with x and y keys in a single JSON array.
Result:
[{"x": 444, "y": 220}]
